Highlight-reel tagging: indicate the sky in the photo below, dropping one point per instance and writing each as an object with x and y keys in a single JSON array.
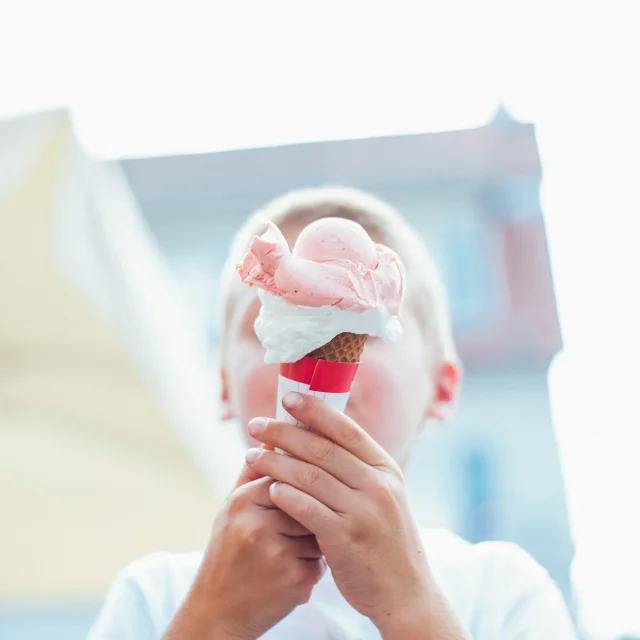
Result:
[{"x": 146, "y": 78}]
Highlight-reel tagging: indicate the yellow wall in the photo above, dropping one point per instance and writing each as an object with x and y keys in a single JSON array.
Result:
[{"x": 91, "y": 472}]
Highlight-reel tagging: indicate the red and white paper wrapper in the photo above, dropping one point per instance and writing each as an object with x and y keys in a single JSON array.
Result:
[{"x": 329, "y": 381}]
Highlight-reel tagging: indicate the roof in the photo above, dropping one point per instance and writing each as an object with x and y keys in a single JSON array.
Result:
[{"x": 486, "y": 154}]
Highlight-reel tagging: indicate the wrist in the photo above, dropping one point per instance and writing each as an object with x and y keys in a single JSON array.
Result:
[
  {"x": 200, "y": 619},
  {"x": 403, "y": 622},
  {"x": 428, "y": 617}
]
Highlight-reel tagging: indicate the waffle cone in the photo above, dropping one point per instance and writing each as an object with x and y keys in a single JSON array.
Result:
[{"x": 345, "y": 347}]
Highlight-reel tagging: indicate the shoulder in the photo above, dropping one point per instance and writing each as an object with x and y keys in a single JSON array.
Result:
[
  {"x": 145, "y": 595},
  {"x": 497, "y": 585},
  {"x": 505, "y": 560},
  {"x": 168, "y": 569}
]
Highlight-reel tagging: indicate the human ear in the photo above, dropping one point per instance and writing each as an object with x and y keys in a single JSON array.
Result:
[
  {"x": 447, "y": 380},
  {"x": 227, "y": 411}
]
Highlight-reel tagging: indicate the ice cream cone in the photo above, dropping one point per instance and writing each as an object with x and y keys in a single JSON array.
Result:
[
  {"x": 326, "y": 372},
  {"x": 345, "y": 347}
]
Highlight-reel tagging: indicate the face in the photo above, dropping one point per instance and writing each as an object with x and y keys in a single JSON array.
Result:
[{"x": 390, "y": 398}]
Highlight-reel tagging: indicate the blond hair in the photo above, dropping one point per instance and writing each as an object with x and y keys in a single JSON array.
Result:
[{"x": 424, "y": 287}]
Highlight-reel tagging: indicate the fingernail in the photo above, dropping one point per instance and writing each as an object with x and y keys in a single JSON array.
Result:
[
  {"x": 252, "y": 455},
  {"x": 292, "y": 400},
  {"x": 273, "y": 487},
  {"x": 256, "y": 426}
]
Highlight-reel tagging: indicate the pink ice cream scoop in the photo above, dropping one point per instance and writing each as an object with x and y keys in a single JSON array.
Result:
[{"x": 334, "y": 263}]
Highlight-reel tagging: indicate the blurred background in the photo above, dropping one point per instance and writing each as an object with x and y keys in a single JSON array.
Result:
[{"x": 135, "y": 139}]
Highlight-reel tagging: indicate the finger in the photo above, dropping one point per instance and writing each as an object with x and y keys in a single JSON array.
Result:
[
  {"x": 306, "y": 477},
  {"x": 308, "y": 511},
  {"x": 314, "y": 568},
  {"x": 284, "y": 524},
  {"x": 257, "y": 493},
  {"x": 320, "y": 567},
  {"x": 314, "y": 448},
  {"x": 306, "y": 547},
  {"x": 337, "y": 427},
  {"x": 247, "y": 474}
]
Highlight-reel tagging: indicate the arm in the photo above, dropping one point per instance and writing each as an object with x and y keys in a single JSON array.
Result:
[
  {"x": 196, "y": 620},
  {"x": 434, "y": 620}
]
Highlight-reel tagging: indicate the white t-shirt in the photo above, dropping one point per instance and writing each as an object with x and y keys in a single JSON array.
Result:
[{"x": 497, "y": 590}]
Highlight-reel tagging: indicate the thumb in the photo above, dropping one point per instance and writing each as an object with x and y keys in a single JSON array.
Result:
[{"x": 246, "y": 475}]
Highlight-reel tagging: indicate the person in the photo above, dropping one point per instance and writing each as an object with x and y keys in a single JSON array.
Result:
[{"x": 321, "y": 544}]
